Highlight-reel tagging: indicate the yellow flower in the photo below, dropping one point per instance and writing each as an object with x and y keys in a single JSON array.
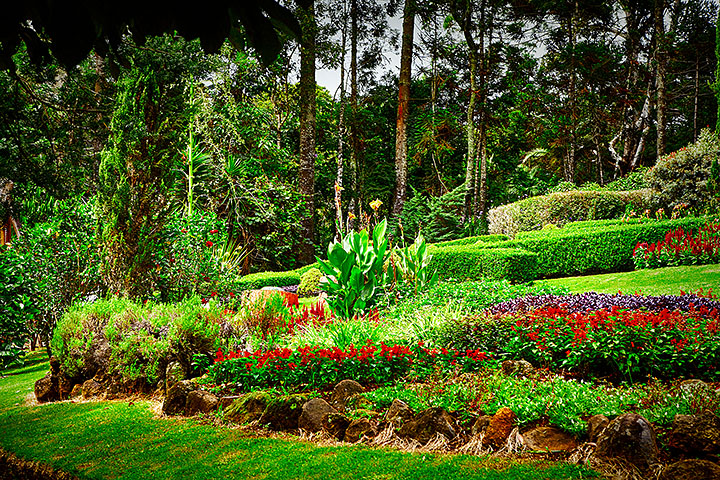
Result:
[
  {"x": 375, "y": 204},
  {"x": 351, "y": 216},
  {"x": 338, "y": 188}
]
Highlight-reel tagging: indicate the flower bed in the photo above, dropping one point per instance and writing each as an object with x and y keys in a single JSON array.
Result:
[
  {"x": 319, "y": 367},
  {"x": 680, "y": 248},
  {"x": 628, "y": 343}
]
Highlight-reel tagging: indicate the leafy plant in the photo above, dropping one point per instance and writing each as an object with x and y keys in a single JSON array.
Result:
[
  {"x": 414, "y": 265},
  {"x": 354, "y": 271}
]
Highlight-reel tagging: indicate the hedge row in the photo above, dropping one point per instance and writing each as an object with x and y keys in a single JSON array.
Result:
[
  {"x": 564, "y": 207},
  {"x": 255, "y": 281},
  {"x": 465, "y": 262},
  {"x": 595, "y": 249},
  {"x": 481, "y": 239}
]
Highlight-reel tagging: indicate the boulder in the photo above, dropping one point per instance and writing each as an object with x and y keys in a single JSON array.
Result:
[
  {"x": 500, "y": 426},
  {"x": 173, "y": 374},
  {"x": 76, "y": 391},
  {"x": 200, "y": 401},
  {"x": 283, "y": 413},
  {"x": 92, "y": 388},
  {"x": 481, "y": 424},
  {"x": 517, "y": 367},
  {"x": 225, "y": 402},
  {"x": 342, "y": 392},
  {"x": 357, "y": 429},
  {"x": 247, "y": 408},
  {"x": 691, "y": 470},
  {"x": 65, "y": 386},
  {"x": 54, "y": 365},
  {"x": 399, "y": 413},
  {"x": 176, "y": 398},
  {"x": 549, "y": 439},
  {"x": 694, "y": 385},
  {"x": 46, "y": 389},
  {"x": 428, "y": 423},
  {"x": 629, "y": 436},
  {"x": 314, "y": 413},
  {"x": 336, "y": 424},
  {"x": 595, "y": 425},
  {"x": 695, "y": 433}
]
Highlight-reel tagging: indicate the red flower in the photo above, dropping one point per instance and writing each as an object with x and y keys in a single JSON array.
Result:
[
  {"x": 213, "y": 231},
  {"x": 208, "y": 243}
]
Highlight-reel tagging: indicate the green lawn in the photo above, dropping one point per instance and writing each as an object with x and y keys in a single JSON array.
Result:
[
  {"x": 120, "y": 440},
  {"x": 660, "y": 281}
]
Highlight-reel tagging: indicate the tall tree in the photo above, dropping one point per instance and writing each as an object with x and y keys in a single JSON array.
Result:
[
  {"x": 401, "y": 139},
  {"x": 306, "y": 13}
]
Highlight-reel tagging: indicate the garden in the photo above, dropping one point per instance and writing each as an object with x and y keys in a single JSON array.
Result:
[{"x": 214, "y": 264}]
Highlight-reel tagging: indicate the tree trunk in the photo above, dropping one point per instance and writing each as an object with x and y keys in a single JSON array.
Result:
[
  {"x": 354, "y": 144},
  {"x": 306, "y": 177},
  {"x": 401, "y": 145},
  {"x": 341, "y": 133},
  {"x": 660, "y": 59}
]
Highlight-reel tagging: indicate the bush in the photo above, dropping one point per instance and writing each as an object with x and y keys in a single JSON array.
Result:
[
  {"x": 255, "y": 281},
  {"x": 578, "y": 251},
  {"x": 472, "y": 240},
  {"x": 309, "y": 282},
  {"x": 17, "y": 303},
  {"x": 564, "y": 207},
  {"x": 133, "y": 342},
  {"x": 681, "y": 177},
  {"x": 471, "y": 262}
]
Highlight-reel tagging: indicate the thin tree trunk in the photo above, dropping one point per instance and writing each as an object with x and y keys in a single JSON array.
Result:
[
  {"x": 341, "y": 131},
  {"x": 660, "y": 59},
  {"x": 696, "y": 95},
  {"x": 306, "y": 177},
  {"x": 352, "y": 207},
  {"x": 401, "y": 144}
]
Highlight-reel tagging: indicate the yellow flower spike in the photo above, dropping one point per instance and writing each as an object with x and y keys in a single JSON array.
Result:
[
  {"x": 375, "y": 204},
  {"x": 351, "y": 216}
]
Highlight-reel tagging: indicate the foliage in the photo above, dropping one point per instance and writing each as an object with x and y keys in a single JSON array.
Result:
[
  {"x": 682, "y": 176},
  {"x": 413, "y": 265},
  {"x": 472, "y": 240},
  {"x": 354, "y": 271},
  {"x": 17, "y": 294},
  {"x": 463, "y": 262},
  {"x": 594, "y": 249},
  {"x": 564, "y": 207},
  {"x": 319, "y": 367},
  {"x": 141, "y": 339},
  {"x": 62, "y": 261},
  {"x": 631, "y": 344},
  {"x": 443, "y": 220},
  {"x": 591, "y": 301},
  {"x": 680, "y": 248},
  {"x": 635, "y": 180},
  {"x": 309, "y": 282}
]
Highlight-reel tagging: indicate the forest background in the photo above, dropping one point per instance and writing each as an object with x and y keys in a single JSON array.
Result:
[{"x": 117, "y": 164}]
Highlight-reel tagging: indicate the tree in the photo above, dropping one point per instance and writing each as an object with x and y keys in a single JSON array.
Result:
[
  {"x": 306, "y": 177},
  {"x": 401, "y": 140}
]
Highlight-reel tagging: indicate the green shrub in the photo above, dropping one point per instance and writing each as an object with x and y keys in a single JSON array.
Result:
[
  {"x": 309, "y": 282},
  {"x": 484, "y": 332},
  {"x": 17, "y": 305},
  {"x": 635, "y": 180},
  {"x": 471, "y": 262},
  {"x": 472, "y": 240},
  {"x": 255, "y": 281},
  {"x": 595, "y": 249},
  {"x": 564, "y": 207},
  {"x": 681, "y": 177}
]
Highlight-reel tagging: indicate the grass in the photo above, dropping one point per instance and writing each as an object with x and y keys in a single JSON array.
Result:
[
  {"x": 661, "y": 281},
  {"x": 124, "y": 440}
]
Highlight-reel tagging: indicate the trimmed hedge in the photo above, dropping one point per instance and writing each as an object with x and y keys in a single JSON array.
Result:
[
  {"x": 255, "y": 281},
  {"x": 564, "y": 207},
  {"x": 473, "y": 240},
  {"x": 470, "y": 262},
  {"x": 597, "y": 248}
]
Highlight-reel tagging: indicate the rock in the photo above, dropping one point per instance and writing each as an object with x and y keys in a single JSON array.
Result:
[
  {"x": 176, "y": 398},
  {"x": 481, "y": 424},
  {"x": 691, "y": 470},
  {"x": 429, "y": 423},
  {"x": 342, "y": 391},
  {"x": 517, "y": 367},
  {"x": 65, "y": 386},
  {"x": 314, "y": 413},
  {"x": 97, "y": 357},
  {"x": 357, "y": 429},
  {"x": 200, "y": 401},
  {"x": 173, "y": 374},
  {"x": 54, "y": 365},
  {"x": 595, "y": 425},
  {"x": 500, "y": 427},
  {"x": 549, "y": 439},
  {"x": 694, "y": 385},
  {"x": 92, "y": 388},
  {"x": 399, "y": 413},
  {"x": 282, "y": 413},
  {"x": 336, "y": 424},
  {"x": 247, "y": 408},
  {"x": 46, "y": 389},
  {"x": 629, "y": 436},
  {"x": 76, "y": 391},
  {"x": 225, "y": 402},
  {"x": 695, "y": 433}
]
